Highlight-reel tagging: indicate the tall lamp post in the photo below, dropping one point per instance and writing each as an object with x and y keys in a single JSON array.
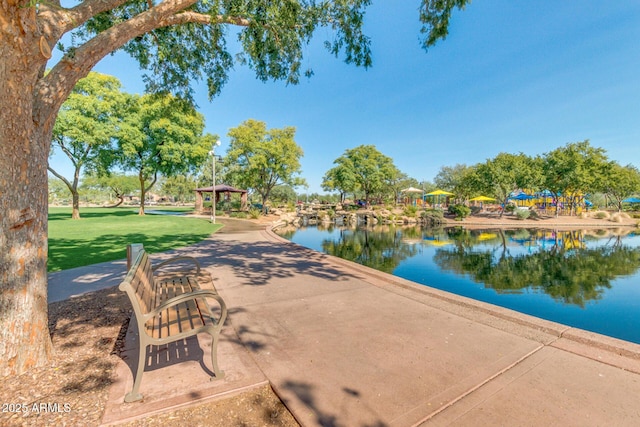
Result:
[{"x": 213, "y": 179}]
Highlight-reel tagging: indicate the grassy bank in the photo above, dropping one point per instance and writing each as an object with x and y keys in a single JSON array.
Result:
[{"x": 102, "y": 234}]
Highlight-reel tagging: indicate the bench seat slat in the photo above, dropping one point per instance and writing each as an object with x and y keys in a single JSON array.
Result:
[{"x": 185, "y": 316}]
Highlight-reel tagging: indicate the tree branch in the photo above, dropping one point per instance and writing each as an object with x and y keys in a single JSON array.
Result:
[
  {"x": 200, "y": 18},
  {"x": 68, "y": 152},
  {"x": 153, "y": 182},
  {"x": 57, "y": 20},
  {"x": 60, "y": 177},
  {"x": 54, "y": 88}
]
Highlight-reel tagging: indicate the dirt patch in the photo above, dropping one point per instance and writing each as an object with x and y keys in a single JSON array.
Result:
[
  {"x": 87, "y": 334},
  {"x": 543, "y": 221},
  {"x": 260, "y": 407},
  {"x": 234, "y": 225}
]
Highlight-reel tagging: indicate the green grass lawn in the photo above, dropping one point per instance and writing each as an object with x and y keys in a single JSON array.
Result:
[{"x": 102, "y": 234}]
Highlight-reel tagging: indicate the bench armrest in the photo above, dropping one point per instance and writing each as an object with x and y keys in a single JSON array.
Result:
[
  {"x": 178, "y": 258},
  {"x": 201, "y": 293}
]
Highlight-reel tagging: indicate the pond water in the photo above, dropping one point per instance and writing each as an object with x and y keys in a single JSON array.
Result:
[{"x": 589, "y": 279}]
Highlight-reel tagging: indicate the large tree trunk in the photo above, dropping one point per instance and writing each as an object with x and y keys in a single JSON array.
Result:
[{"x": 24, "y": 334}]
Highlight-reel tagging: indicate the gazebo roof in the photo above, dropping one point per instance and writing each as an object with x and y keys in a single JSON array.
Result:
[{"x": 221, "y": 188}]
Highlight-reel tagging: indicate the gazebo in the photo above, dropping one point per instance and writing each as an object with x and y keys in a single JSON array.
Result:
[{"x": 221, "y": 188}]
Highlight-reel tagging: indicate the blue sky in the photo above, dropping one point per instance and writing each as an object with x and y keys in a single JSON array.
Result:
[{"x": 510, "y": 77}]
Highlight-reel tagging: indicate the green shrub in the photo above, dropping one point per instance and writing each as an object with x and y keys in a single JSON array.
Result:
[
  {"x": 410, "y": 211},
  {"x": 510, "y": 208},
  {"x": 241, "y": 215},
  {"x": 601, "y": 215},
  {"x": 254, "y": 213},
  {"x": 432, "y": 217},
  {"x": 460, "y": 211},
  {"x": 523, "y": 213},
  {"x": 432, "y": 213}
]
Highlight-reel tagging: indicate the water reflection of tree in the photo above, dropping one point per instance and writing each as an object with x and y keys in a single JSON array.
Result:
[
  {"x": 564, "y": 269},
  {"x": 382, "y": 248}
]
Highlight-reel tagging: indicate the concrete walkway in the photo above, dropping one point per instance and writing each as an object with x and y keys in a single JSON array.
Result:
[{"x": 344, "y": 345}]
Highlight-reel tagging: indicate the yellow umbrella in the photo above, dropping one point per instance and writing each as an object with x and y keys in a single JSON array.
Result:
[
  {"x": 482, "y": 199},
  {"x": 439, "y": 193},
  {"x": 435, "y": 241},
  {"x": 486, "y": 236}
]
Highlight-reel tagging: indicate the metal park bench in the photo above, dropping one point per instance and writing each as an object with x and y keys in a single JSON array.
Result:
[{"x": 169, "y": 307}]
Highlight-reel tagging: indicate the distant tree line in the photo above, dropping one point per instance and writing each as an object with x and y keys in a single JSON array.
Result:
[{"x": 572, "y": 172}]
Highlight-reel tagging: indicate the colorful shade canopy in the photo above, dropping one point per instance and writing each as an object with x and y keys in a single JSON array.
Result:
[
  {"x": 439, "y": 193},
  {"x": 482, "y": 199},
  {"x": 411, "y": 190}
]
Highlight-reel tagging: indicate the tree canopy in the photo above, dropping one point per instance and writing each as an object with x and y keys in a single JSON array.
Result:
[
  {"x": 506, "y": 173},
  {"x": 85, "y": 128},
  {"x": 620, "y": 182},
  {"x": 362, "y": 169},
  {"x": 461, "y": 180},
  {"x": 574, "y": 170},
  {"x": 259, "y": 159},
  {"x": 161, "y": 134},
  {"x": 180, "y": 187},
  {"x": 339, "y": 178}
]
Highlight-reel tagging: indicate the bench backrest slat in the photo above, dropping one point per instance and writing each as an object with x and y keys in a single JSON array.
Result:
[
  {"x": 139, "y": 285},
  {"x": 144, "y": 285}
]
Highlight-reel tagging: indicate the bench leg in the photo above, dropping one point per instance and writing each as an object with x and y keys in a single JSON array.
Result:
[
  {"x": 214, "y": 356},
  {"x": 135, "y": 395}
]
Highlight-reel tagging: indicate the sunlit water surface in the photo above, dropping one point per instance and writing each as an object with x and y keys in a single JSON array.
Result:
[{"x": 588, "y": 279}]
